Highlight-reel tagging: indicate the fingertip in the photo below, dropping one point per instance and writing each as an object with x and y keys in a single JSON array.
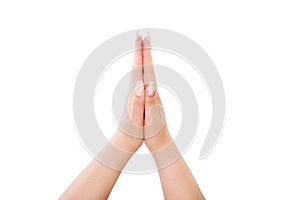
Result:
[
  {"x": 139, "y": 41},
  {"x": 147, "y": 41}
]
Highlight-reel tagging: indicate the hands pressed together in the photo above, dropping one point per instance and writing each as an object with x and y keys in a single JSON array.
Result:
[
  {"x": 142, "y": 121},
  {"x": 143, "y": 118}
]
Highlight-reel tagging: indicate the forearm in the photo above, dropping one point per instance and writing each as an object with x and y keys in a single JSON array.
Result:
[
  {"x": 178, "y": 182},
  {"x": 97, "y": 180},
  {"x": 176, "y": 178}
]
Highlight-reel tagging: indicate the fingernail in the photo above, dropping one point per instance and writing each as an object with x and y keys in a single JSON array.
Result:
[
  {"x": 151, "y": 89},
  {"x": 139, "y": 88}
]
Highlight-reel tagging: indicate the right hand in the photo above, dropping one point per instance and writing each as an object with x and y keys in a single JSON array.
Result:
[{"x": 156, "y": 134}]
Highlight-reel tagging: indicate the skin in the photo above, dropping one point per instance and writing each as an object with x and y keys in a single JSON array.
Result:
[
  {"x": 177, "y": 180},
  {"x": 97, "y": 180}
]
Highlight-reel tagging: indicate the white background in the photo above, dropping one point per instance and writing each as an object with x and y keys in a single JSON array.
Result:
[{"x": 254, "y": 44}]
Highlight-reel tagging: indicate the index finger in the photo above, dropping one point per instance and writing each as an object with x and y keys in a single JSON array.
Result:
[
  {"x": 149, "y": 75},
  {"x": 136, "y": 73},
  {"x": 138, "y": 53}
]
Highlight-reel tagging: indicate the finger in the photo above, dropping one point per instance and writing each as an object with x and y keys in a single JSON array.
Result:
[
  {"x": 149, "y": 75},
  {"x": 138, "y": 53},
  {"x": 152, "y": 99},
  {"x": 136, "y": 73},
  {"x": 154, "y": 114}
]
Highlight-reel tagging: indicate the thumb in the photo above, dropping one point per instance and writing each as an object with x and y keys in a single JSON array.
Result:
[{"x": 154, "y": 112}]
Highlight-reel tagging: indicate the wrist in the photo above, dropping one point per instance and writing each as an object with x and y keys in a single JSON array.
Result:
[
  {"x": 125, "y": 142},
  {"x": 158, "y": 141}
]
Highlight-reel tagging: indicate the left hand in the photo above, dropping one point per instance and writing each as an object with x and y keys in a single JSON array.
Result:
[{"x": 129, "y": 135}]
